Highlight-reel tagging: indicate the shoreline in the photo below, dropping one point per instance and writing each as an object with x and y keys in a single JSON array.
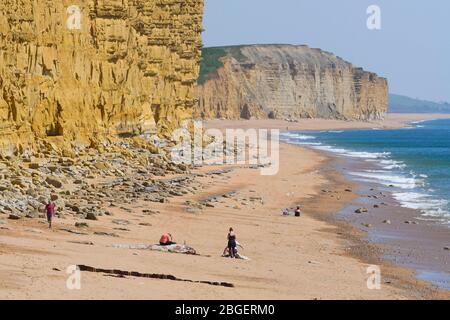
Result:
[
  {"x": 407, "y": 239},
  {"x": 411, "y": 242},
  {"x": 387, "y": 245},
  {"x": 391, "y": 121},
  {"x": 290, "y": 258},
  {"x": 430, "y": 280},
  {"x": 311, "y": 257},
  {"x": 359, "y": 245}
]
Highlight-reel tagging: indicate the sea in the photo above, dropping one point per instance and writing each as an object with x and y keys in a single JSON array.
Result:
[{"x": 413, "y": 162}]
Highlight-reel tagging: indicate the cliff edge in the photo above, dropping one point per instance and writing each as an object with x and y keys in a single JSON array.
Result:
[
  {"x": 75, "y": 73},
  {"x": 288, "y": 82}
]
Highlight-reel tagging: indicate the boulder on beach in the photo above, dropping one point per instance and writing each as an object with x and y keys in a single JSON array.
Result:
[
  {"x": 361, "y": 210},
  {"x": 54, "y": 182}
]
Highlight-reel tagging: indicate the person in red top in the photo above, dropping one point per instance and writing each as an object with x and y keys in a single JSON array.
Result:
[
  {"x": 166, "y": 240},
  {"x": 50, "y": 210}
]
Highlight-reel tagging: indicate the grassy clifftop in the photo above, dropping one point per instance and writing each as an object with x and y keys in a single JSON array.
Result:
[
  {"x": 281, "y": 81},
  {"x": 211, "y": 60}
]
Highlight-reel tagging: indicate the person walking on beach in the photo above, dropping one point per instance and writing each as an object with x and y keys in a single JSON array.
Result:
[
  {"x": 166, "y": 240},
  {"x": 297, "y": 212},
  {"x": 50, "y": 210},
  {"x": 232, "y": 243}
]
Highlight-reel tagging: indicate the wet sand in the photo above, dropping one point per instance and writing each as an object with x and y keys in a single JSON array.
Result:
[{"x": 406, "y": 237}]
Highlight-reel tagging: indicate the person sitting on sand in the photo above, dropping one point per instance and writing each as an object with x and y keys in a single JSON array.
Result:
[
  {"x": 166, "y": 240},
  {"x": 286, "y": 212},
  {"x": 50, "y": 210},
  {"x": 298, "y": 212},
  {"x": 232, "y": 243}
]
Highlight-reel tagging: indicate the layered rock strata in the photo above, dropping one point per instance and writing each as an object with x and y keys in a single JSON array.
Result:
[
  {"x": 286, "y": 81},
  {"x": 73, "y": 72}
]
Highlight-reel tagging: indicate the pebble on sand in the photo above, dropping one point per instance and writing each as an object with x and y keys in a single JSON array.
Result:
[{"x": 91, "y": 216}]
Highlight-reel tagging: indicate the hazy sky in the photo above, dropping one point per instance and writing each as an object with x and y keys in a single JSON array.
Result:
[{"x": 412, "y": 49}]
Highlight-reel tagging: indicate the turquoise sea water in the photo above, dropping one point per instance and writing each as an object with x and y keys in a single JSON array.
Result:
[{"x": 414, "y": 162}]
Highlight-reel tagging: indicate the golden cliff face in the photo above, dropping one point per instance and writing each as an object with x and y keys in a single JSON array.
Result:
[
  {"x": 283, "y": 81},
  {"x": 79, "y": 70}
]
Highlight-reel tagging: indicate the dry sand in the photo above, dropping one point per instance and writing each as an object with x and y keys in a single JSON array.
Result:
[
  {"x": 310, "y": 257},
  {"x": 392, "y": 120}
]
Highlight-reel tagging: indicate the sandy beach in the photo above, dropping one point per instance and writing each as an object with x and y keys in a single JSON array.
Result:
[
  {"x": 311, "y": 257},
  {"x": 391, "y": 121}
]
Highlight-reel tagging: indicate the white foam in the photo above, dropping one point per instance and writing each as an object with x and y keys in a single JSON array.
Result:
[
  {"x": 304, "y": 137},
  {"x": 287, "y": 134},
  {"x": 422, "y": 121},
  {"x": 394, "y": 166},
  {"x": 331, "y": 149},
  {"x": 387, "y": 178},
  {"x": 392, "y": 174},
  {"x": 310, "y": 143},
  {"x": 368, "y": 155},
  {"x": 353, "y": 154},
  {"x": 429, "y": 206},
  {"x": 389, "y": 164},
  {"x": 298, "y": 136}
]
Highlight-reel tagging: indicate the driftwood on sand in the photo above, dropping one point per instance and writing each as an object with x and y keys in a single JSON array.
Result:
[
  {"x": 174, "y": 248},
  {"x": 123, "y": 273}
]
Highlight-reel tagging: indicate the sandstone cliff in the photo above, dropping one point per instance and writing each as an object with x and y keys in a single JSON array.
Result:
[
  {"x": 99, "y": 68},
  {"x": 285, "y": 81}
]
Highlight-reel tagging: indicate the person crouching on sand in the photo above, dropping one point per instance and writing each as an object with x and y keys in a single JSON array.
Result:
[
  {"x": 50, "y": 210},
  {"x": 232, "y": 243},
  {"x": 236, "y": 254},
  {"x": 166, "y": 240}
]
